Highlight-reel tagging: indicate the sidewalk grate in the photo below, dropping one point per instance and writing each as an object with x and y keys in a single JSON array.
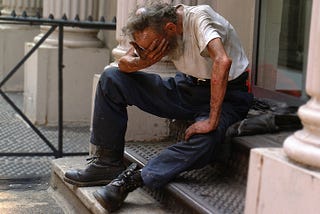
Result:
[
  {"x": 17, "y": 137},
  {"x": 24, "y": 167}
]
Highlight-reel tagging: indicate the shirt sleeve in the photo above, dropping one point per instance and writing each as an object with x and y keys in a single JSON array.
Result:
[{"x": 208, "y": 26}]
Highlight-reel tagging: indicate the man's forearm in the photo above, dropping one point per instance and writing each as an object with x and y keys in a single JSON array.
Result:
[
  {"x": 132, "y": 63},
  {"x": 219, "y": 83}
]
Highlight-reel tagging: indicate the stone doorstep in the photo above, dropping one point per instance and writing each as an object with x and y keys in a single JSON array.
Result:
[
  {"x": 239, "y": 146},
  {"x": 80, "y": 200},
  {"x": 76, "y": 200},
  {"x": 246, "y": 143}
]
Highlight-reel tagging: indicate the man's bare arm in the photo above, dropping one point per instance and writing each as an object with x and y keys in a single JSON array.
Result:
[{"x": 219, "y": 81}]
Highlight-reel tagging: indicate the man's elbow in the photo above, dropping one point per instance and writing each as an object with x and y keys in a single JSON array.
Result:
[
  {"x": 123, "y": 65},
  {"x": 224, "y": 62}
]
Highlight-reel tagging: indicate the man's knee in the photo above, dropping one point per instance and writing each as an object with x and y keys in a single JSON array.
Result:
[
  {"x": 109, "y": 73},
  {"x": 111, "y": 85},
  {"x": 111, "y": 80}
]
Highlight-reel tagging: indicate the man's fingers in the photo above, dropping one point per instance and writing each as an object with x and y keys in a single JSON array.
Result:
[
  {"x": 189, "y": 132},
  {"x": 136, "y": 46},
  {"x": 160, "y": 51},
  {"x": 200, "y": 127},
  {"x": 153, "y": 45},
  {"x": 163, "y": 45},
  {"x": 139, "y": 50}
]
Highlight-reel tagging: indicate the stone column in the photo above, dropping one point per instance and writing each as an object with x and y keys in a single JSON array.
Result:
[
  {"x": 108, "y": 10},
  {"x": 84, "y": 56},
  {"x": 304, "y": 145},
  {"x": 19, "y": 6},
  {"x": 123, "y": 7},
  {"x": 73, "y": 37},
  {"x": 13, "y": 37}
]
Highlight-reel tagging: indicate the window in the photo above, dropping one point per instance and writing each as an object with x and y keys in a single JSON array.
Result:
[{"x": 282, "y": 46}]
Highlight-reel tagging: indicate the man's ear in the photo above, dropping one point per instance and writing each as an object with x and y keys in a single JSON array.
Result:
[{"x": 170, "y": 28}]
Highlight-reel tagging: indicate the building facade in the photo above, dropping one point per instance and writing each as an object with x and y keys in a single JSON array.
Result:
[{"x": 281, "y": 38}]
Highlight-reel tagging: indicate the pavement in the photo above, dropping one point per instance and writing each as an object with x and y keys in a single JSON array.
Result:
[{"x": 25, "y": 180}]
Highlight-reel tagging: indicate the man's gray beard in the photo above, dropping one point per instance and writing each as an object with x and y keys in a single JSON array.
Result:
[{"x": 176, "y": 48}]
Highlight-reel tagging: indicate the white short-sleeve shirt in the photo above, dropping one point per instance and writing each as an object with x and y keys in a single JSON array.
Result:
[{"x": 201, "y": 24}]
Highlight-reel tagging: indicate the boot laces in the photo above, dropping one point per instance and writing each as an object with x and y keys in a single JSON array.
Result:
[
  {"x": 92, "y": 159},
  {"x": 126, "y": 178}
]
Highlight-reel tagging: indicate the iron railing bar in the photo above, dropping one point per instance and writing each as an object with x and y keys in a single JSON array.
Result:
[
  {"x": 106, "y": 25},
  {"x": 22, "y": 61},
  {"x": 26, "y": 119},
  {"x": 60, "y": 91},
  {"x": 19, "y": 23}
]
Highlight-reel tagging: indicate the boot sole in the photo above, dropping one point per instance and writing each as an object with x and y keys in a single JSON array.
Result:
[{"x": 87, "y": 184}]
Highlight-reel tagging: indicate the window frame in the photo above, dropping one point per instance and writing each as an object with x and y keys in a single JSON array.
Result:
[{"x": 259, "y": 91}]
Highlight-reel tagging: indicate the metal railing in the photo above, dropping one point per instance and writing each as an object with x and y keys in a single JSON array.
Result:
[{"x": 54, "y": 24}]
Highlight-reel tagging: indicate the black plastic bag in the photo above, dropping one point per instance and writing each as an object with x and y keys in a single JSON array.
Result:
[{"x": 266, "y": 116}]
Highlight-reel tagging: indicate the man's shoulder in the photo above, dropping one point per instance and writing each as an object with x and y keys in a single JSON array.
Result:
[
  {"x": 195, "y": 8},
  {"x": 200, "y": 8}
]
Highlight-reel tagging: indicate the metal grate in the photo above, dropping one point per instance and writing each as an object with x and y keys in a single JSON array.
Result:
[
  {"x": 24, "y": 167},
  {"x": 17, "y": 136},
  {"x": 217, "y": 188}
]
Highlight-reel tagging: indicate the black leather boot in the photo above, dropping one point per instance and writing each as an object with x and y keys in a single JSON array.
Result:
[
  {"x": 111, "y": 197},
  {"x": 102, "y": 168}
]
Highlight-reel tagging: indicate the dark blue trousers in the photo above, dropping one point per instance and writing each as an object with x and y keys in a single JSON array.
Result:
[{"x": 176, "y": 97}]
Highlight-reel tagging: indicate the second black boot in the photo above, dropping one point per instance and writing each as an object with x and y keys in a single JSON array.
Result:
[
  {"x": 103, "y": 167},
  {"x": 112, "y": 196}
]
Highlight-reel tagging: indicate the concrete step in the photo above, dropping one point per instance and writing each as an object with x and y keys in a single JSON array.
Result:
[
  {"x": 80, "y": 200},
  {"x": 218, "y": 188}
]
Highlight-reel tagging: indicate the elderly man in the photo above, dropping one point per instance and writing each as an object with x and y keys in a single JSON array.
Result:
[{"x": 210, "y": 89}]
